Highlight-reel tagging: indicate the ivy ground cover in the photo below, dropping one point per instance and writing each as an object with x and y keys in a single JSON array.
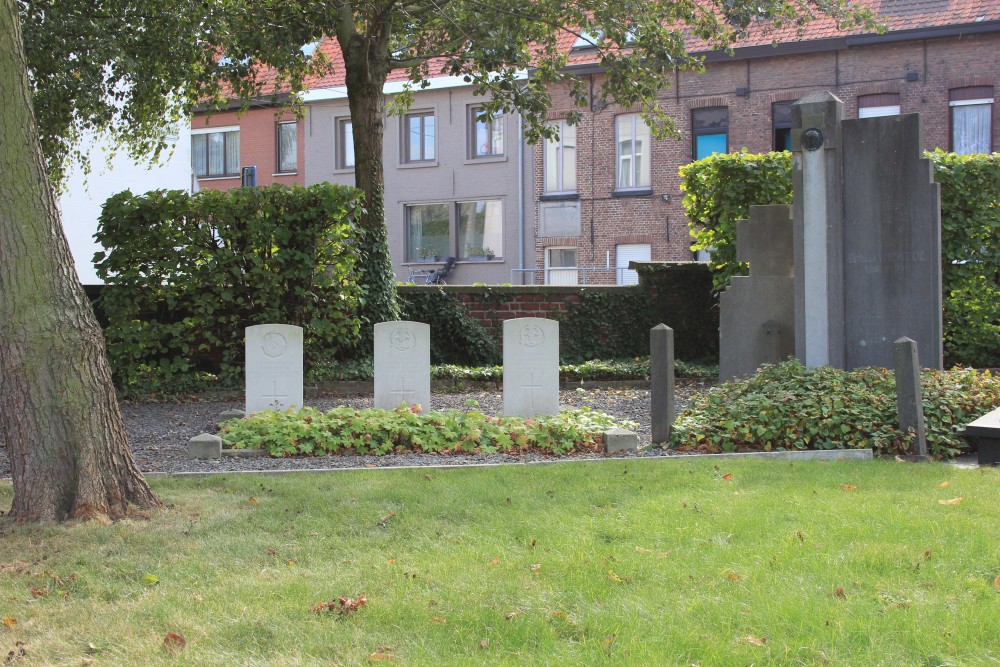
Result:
[{"x": 677, "y": 562}]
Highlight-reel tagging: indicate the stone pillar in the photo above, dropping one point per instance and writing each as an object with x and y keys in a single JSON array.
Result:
[
  {"x": 909, "y": 397},
  {"x": 818, "y": 233},
  {"x": 661, "y": 377}
]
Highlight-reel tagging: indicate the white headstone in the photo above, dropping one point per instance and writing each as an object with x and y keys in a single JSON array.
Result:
[
  {"x": 402, "y": 365},
  {"x": 273, "y": 367},
  {"x": 530, "y": 367}
]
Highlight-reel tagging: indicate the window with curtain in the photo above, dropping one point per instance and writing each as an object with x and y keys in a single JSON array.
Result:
[
  {"x": 287, "y": 147},
  {"x": 880, "y": 104},
  {"x": 215, "y": 154},
  {"x": 486, "y": 135},
  {"x": 633, "y": 151},
  {"x": 428, "y": 229},
  {"x": 560, "y": 160},
  {"x": 480, "y": 229},
  {"x": 971, "y": 119}
]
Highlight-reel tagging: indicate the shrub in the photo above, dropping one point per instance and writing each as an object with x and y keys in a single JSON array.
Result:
[
  {"x": 186, "y": 274},
  {"x": 787, "y": 406},
  {"x": 311, "y": 432},
  {"x": 456, "y": 337},
  {"x": 720, "y": 189}
]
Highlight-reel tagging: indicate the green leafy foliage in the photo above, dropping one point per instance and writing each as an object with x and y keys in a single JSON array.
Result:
[
  {"x": 602, "y": 325},
  {"x": 787, "y": 406},
  {"x": 719, "y": 190},
  {"x": 186, "y": 274},
  {"x": 311, "y": 432},
  {"x": 970, "y": 255},
  {"x": 456, "y": 336}
]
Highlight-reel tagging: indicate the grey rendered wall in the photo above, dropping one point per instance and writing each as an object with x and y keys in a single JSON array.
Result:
[{"x": 452, "y": 177}]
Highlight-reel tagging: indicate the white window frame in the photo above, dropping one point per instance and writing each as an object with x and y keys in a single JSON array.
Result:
[
  {"x": 295, "y": 139},
  {"x": 636, "y": 180},
  {"x": 562, "y": 275},
  {"x": 555, "y": 152},
  {"x": 985, "y": 101},
  {"x": 341, "y": 161},
  {"x": 217, "y": 130},
  {"x": 493, "y": 126}
]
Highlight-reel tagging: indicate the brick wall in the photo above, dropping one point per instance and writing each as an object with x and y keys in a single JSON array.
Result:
[
  {"x": 258, "y": 146},
  {"x": 658, "y": 218}
]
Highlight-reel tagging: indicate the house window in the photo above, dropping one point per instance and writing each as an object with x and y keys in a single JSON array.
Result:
[
  {"x": 427, "y": 231},
  {"x": 418, "y": 142},
  {"x": 480, "y": 229},
  {"x": 881, "y": 104},
  {"x": 630, "y": 252},
  {"x": 971, "y": 119},
  {"x": 709, "y": 131},
  {"x": 560, "y": 266},
  {"x": 345, "y": 144},
  {"x": 216, "y": 153},
  {"x": 287, "y": 147},
  {"x": 781, "y": 124},
  {"x": 560, "y": 160},
  {"x": 486, "y": 135},
  {"x": 633, "y": 142}
]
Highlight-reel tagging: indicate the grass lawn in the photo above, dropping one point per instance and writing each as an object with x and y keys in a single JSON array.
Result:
[{"x": 636, "y": 562}]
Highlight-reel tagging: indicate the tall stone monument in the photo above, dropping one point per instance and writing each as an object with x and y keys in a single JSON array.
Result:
[
  {"x": 402, "y": 364},
  {"x": 530, "y": 367},
  {"x": 757, "y": 312},
  {"x": 867, "y": 237},
  {"x": 273, "y": 367}
]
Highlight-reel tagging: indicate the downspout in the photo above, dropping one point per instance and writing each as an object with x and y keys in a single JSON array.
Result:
[{"x": 520, "y": 195}]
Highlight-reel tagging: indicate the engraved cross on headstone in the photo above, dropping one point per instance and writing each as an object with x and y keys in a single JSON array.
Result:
[
  {"x": 402, "y": 394},
  {"x": 274, "y": 395},
  {"x": 531, "y": 386}
]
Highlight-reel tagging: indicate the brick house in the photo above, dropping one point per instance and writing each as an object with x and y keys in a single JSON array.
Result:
[{"x": 622, "y": 200}]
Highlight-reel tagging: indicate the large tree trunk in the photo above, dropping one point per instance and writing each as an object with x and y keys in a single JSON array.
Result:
[
  {"x": 64, "y": 433},
  {"x": 366, "y": 67}
]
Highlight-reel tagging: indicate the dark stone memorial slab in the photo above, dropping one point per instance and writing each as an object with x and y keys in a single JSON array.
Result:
[{"x": 892, "y": 242}]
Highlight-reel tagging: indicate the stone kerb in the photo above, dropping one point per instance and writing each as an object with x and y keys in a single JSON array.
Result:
[
  {"x": 273, "y": 367},
  {"x": 530, "y": 367},
  {"x": 402, "y": 365}
]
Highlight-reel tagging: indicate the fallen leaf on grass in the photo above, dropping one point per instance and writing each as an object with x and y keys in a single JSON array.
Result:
[
  {"x": 271, "y": 551},
  {"x": 344, "y": 605},
  {"x": 728, "y": 477},
  {"x": 378, "y": 656},
  {"x": 252, "y": 501},
  {"x": 390, "y": 561},
  {"x": 437, "y": 620},
  {"x": 428, "y": 476},
  {"x": 36, "y": 592},
  {"x": 996, "y": 582},
  {"x": 174, "y": 643},
  {"x": 495, "y": 561},
  {"x": 732, "y": 576},
  {"x": 386, "y": 519},
  {"x": 839, "y": 593},
  {"x": 512, "y": 615},
  {"x": 756, "y": 641},
  {"x": 17, "y": 653},
  {"x": 664, "y": 554},
  {"x": 642, "y": 550},
  {"x": 535, "y": 567},
  {"x": 848, "y": 487},
  {"x": 150, "y": 579},
  {"x": 953, "y": 501},
  {"x": 484, "y": 643},
  {"x": 10, "y": 622},
  {"x": 614, "y": 577},
  {"x": 609, "y": 641},
  {"x": 943, "y": 484}
]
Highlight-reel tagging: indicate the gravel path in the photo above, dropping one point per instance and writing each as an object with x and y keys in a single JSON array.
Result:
[{"x": 158, "y": 432}]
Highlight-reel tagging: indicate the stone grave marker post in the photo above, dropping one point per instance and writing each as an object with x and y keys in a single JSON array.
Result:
[
  {"x": 530, "y": 367},
  {"x": 661, "y": 377},
  {"x": 909, "y": 397},
  {"x": 273, "y": 367},
  {"x": 402, "y": 365}
]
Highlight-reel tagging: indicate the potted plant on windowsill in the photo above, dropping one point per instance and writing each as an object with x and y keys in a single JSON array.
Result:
[
  {"x": 425, "y": 256},
  {"x": 478, "y": 254}
]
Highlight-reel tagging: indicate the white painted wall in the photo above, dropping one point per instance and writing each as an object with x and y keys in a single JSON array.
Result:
[{"x": 81, "y": 202}]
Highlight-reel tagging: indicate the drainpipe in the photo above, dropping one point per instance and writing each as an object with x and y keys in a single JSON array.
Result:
[{"x": 520, "y": 194}]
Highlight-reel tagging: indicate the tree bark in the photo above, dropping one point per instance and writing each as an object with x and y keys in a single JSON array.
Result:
[
  {"x": 64, "y": 433},
  {"x": 366, "y": 63}
]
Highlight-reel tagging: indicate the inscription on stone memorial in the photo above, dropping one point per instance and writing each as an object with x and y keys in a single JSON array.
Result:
[
  {"x": 273, "y": 367},
  {"x": 402, "y": 365},
  {"x": 530, "y": 367}
]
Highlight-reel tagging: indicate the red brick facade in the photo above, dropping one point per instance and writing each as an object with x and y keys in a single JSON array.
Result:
[
  {"x": 258, "y": 146},
  {"x": 921, "y": 72}
]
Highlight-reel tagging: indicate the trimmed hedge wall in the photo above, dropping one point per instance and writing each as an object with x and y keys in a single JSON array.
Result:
[
  {"x": 719, "y": 190},
  {"x": 186, "y": 274}
]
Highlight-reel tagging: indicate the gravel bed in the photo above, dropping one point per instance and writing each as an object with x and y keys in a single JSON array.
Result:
[{"x": 159, "y": 432}]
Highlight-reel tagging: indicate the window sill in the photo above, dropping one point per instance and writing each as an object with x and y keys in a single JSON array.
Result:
[
  {"x": 560, "y": 196},
  {"x": 284, "y": 173},
  {"x": 417, "y": 165},
  {"x": 234, "y": 177},
  {"x": 642, "y": 192},
  {"x": 495, "y": 260},
  {"x": 344, "y": 170},
  {"x": 486, "y": 159}
]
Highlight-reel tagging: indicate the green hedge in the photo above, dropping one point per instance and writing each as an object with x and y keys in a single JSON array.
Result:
[
  {"x": 186, "y": 274},
  {"x": 719, "y": 190},
  {"x": 456, "y": 337}
]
